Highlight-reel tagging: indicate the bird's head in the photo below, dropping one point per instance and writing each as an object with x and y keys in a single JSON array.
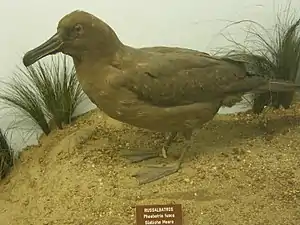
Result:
[{"x": 78, "y": 34}]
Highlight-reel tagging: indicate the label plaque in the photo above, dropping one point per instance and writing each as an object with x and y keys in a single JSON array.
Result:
[{"x": 159, "y": 214}]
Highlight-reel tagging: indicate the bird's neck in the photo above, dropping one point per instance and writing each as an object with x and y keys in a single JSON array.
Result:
[
  {"x": 103, "y": 56},
  {"x": 113, "y": 59}
]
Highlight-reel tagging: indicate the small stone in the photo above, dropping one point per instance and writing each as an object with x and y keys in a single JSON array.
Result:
[{"x": 187, "y": 180}]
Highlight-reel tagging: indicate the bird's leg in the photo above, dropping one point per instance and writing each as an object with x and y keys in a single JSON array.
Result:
[
  {"x": 170, "y": 137},
  {"x": 156, "y": 172},
  {"x": 138, "y": 156}
]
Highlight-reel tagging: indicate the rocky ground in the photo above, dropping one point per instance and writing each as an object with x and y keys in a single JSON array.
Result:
[{"x": 241, "y": 171}]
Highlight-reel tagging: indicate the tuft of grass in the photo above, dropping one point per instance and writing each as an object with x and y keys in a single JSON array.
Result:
[
  {"x": 44, "y": 92},
  {"x": 274, "y": 53},
  {"x": 6, "y": 156}
]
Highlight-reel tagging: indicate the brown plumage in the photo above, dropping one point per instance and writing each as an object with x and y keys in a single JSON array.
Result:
[{"x": 161, "y": 89}]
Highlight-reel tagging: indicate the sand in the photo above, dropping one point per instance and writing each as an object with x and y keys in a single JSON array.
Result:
[{"x": 238, "y": 172}]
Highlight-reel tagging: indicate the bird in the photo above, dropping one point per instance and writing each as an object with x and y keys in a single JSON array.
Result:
[{"x": 164, "y": 89}]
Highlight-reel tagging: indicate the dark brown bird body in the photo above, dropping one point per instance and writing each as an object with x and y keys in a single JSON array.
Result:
[
  {"x": 174, "y": 90},
  {"x": 160, "y": 88}
]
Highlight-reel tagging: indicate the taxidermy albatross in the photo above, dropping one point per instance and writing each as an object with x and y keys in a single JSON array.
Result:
[{"x": 170, "y": 90}]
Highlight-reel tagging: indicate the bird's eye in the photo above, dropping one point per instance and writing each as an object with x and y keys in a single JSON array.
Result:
[{"x": 78, "y": 28}]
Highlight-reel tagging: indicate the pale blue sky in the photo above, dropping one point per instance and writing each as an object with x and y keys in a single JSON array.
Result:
[{"x": 190, "y": 23}]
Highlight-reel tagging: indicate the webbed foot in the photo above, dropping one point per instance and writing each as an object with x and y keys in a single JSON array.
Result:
[
  {"x": 138, "y": 156},
  {"x": 156, "y": 172}
]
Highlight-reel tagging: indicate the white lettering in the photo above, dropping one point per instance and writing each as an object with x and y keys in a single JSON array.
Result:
[
  {"x": 149, "y": 222},
  {"x": 153, "y": 216},
  {"x": 161, "y": 209}
]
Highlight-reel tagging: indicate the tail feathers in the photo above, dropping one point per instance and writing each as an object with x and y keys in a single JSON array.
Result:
[{"x": 278, "y": 86}]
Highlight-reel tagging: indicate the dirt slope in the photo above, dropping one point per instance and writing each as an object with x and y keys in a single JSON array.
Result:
[{"x": 237, "y": 173}]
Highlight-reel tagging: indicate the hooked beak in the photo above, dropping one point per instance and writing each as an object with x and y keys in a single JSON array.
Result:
[{"x": 51, "y": 46}]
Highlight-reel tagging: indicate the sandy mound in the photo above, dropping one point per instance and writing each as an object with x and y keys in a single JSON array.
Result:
[{"x": 237, "y": 173}]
